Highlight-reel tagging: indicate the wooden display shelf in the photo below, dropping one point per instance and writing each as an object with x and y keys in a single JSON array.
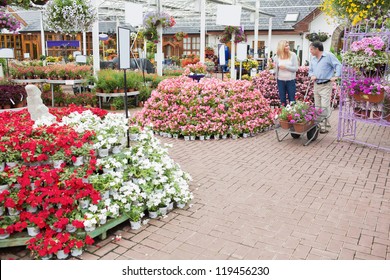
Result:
[{"x": 20, "y": 238}]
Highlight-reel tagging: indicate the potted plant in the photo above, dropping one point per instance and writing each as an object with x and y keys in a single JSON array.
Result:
[
  {"x": 67, "y": 16},
  {"x": 228, "y": 32},
  {"x": 367, "y": 56},
  {"x": 371, "y": 89},
  {"x": 154, "y": 19},
  {"x": 135, "y": 214},
  {"x": 7, "y": 226},
  {"x": 7, "y": 21},
  {"x": 320, "y": 36},
  {"x": 195, "y": 71}
]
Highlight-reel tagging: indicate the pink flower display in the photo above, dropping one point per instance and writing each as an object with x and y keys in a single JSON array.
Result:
[{"x": 184, "y": 107}]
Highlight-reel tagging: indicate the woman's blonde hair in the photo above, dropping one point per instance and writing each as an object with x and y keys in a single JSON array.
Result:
[{"x": 281, "y": 52}]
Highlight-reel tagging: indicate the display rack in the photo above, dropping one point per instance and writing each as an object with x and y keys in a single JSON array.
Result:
[{"x": 358, "y": 115}]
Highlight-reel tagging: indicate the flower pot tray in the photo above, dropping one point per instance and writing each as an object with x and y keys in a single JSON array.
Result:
[
  {"x": 20, "y": 238},
  {"x": 310, "y": 130},
  {"x": 101, "y": 231}
]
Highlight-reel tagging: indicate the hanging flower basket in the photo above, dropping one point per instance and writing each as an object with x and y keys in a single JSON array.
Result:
[
  {"x": 228, "y": 32},
  {"x": 320, "y": 36},
  {"x": 180, "y": 35},
  {"x": 7, "y": 21},
  {"x": 69, "y": 16},
  {"x": 152, "y": 21}
]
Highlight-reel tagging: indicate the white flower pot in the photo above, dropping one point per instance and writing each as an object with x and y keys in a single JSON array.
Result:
[
  {"x": 91, "y": 228},
  {"x": 245, "y": 135},
  {"x": 33, "y": 231},
  {"x": 216, "y": 136},
  {"x": 180, "y": 205},
  {"x": 2, "y": 166},
  {"x": 186, "y": 138},
  {"x": 75, "y": 252},
  {"x": 31, "y": 209},
  {"x": 170, "y": 206},
  {"x": 201, "y": 138},
  {"x": 103, "y": 152},
  {"x": 57, "y": 163},
  {"x": 108, "y": 170},
  {"x": 153, "y": 215},
  {"x": 61, "y": 255},
  {"x": 224, "y": 136},
  {"x": 175, "y": 136},
  {"x": 116, "y": 149},
  {"x": 135, "y": 225},
  {"x": 163, "y": 210},
  {"x": 234, "y": 136},
  {"x": 192, "y": 137},
  {"x": 83, "y": 203},
  {"x": 4, "y": 235},
  {"x": 13, "y": 211},
  {"x": 169, "y": 135},
  {"x": 70, "y": 228},
  {"x": 207, "y": 137},
  {"x": 133, "y": 137},
  {"x": 4, "y": 187},
  {"x": 79, "y": 161},
  {"x": 11, "y": 164},
  {"x": 47, "y": 257},
  {"x": 105, "y": 195},
  {"x": 103, "y": 220}
]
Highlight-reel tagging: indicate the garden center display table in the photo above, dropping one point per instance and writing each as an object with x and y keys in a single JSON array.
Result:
[
  {"x": 118, "y": 94},
  {"x": 28, "y": 81},
  {"x": 61, "y": 82}
]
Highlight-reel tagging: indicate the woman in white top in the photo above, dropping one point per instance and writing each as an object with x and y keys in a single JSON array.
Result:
[{"x": 286, "y": 67}]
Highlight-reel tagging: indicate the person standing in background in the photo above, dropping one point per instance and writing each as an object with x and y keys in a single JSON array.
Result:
[
  {"x": 286, "y": 67},
  {"x": 324, "y": 69}
]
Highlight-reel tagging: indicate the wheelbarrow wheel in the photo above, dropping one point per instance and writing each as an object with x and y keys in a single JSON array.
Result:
[
  {"x": 295, "y": 135},
  {"x": 313, "y": 133}
]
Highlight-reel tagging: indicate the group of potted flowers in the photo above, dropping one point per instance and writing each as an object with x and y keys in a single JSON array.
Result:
[
  {"x": 299, "y": 115},
  {"x": 366, "y": 60},
  {"x": 68, "y": 71},
  {"x": 180, "y": 107},
  {"x": 12, "y": 96},
  {"x": 61, "y": 203}
]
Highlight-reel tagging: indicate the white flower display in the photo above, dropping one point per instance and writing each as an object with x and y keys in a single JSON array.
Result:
[
  {"x": 142, "y": 176},
  {"x": 69, "y": 16}
]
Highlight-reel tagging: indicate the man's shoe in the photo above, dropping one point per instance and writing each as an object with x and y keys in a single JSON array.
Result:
[{"x": 323, "y": 131}]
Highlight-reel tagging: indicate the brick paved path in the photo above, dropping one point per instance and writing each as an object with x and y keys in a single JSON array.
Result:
[{"x": 259, "y": 199}]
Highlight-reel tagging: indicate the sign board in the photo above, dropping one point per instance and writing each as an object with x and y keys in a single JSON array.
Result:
[
  {"x": 81, "y": 59},
  {"x": 221, "y": 54},
  {"x": 228, "y": 15},
  {"x": 26, "y": 55},
  {"x": 124, "y": 47},
  {"x": 242, "y": 51},
  {"x": 133, "y": 14},
  {"x": 7, "y": 53}
]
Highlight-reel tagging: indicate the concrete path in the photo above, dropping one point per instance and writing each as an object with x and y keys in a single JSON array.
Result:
[{"x": 258, "y": 198}]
